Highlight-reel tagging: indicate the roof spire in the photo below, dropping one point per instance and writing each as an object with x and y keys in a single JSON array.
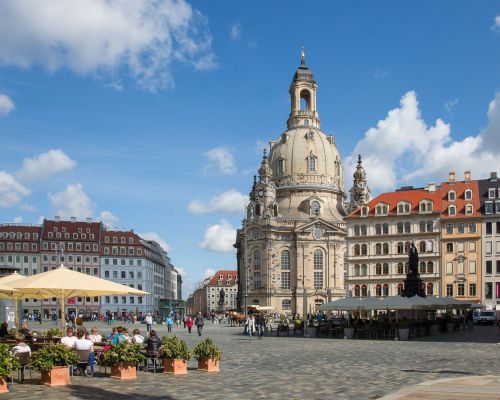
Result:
[
  {"x": 302, "y": 57},
  {"x": 359, "y": 159}
]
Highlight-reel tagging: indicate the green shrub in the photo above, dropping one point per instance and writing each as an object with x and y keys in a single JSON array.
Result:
[
  {"x": 54, "y": 332},
  {"x": 174, "y": 347},
  {"x": 125, "y": 352},
  {"x": 207, "y": 349},
  {"x": 53, "y": 355},
  {"x": 8, "y": 363}
]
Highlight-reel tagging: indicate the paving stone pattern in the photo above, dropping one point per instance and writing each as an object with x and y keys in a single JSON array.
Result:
[{"x": 294, "y": 368}]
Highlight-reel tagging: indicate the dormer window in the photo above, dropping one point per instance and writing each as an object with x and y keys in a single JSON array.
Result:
[
  {"x": 364, "y": 211},
  {"x": 382, "y": 209},
  {"x": 281, "y": 166},
  {"x": 468, "y": 194},
  {"x": 403, "y": 208},
  {"x": 451, "y": 195},
  {"x": 452, "y": 210},
  {"x": 425, "y": 206},
  {"x": 468, "y": 209},
  {"x": 491, "y": 193},
  {"x": 311, "y": 163},
  {"x": 315, "y": 207}
]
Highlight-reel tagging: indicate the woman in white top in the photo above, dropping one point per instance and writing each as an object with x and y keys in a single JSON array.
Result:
[
  {"x": 69, "y": 340},
  {"x": 137, "y": 338},
  {"x": 84, "y": 344},
  {"x": 94, "y": 336}
]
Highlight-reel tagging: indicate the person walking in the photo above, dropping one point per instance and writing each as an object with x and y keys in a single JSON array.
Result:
[
  {"x": 170, "y": 321},
  {"x": 149, "y": 322},
  {"x": 184, "y": 319},
  {"x": 250, "y": 325},
  {"x": 199, "y": 323},
  {"x": 260, "y": 322},
  {"x": 189, "y": 323}
]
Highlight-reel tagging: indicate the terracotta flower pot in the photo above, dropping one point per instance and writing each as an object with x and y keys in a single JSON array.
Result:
[
  {"x": 3, "y": 386},
  {"x": 123, "y": 371},
  {"x": 176, "y": 366},
  {"x": 57, "y": 376},
  {"x": 208, "y": 365}
]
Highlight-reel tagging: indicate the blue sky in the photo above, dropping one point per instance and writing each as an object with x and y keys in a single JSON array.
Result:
[{"x": 134, "y": 113}]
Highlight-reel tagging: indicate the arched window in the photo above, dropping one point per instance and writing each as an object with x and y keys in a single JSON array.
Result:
[
  {"x": 364, "y": 249},
  {"x": 421, "y": 246},
  {"x": 407, "y": 208},
  {"x": 364, "y": 291},
  {"x": 363, "y": 230},
  {"x": 337, "y": 167},
  {"x": 422, "y": 226},
  {"x": 356, "y": 230},
  {"x": 286, "y": 304},
  {"x": 311, "y": 163},
  {"x": 400, "y": 268},
  {"x": 430, "y": 267},
  {"x": 281, "y": 166},
  {"x": 275, "y": 210},
  {"x": 378, "y": 229},
  {"x": 315, "y": 207},
  {"x": 406, "y": 267},
  {"x": 385, "y": 269},
  {"x": 318, "y": 269},
  {"x": 400, "y": 208},
  {"x": 385, "y": 229},
  {"x": 256, "y": 260},
  {"x": 400, "y": 248},
  {"x": 378, "y": 249},
  {"x": 430, "y": 289},
  {"x": 356, "y": 250},
  {"x": 285, "y": 260},
  {"x": 400, "y": 289},
  {"x": 451, "y": 195},
  {"x": 407, "y": 247},
  {"x": 378, "y": 269},
  {"x": 356, "y": 269},
  {"x": 407, "y": 227},
  {"x": 468, "y": 209},
  {"x": 385, "y": 290},
  {"x": 305, "y": 100},
  {"x": 364, "y": 270},
  {"x": 422, "y": 267},
  {"x": 356, "y": 291},
  {"x": 400, "y": 227},
  {"x": 430, "y": 226},
  {"x": 452, "y": 210},
  {"x": 385, "y": 248},
  {"x": 378, "y": 290}
]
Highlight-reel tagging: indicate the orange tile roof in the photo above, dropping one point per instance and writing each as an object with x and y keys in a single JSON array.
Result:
[
  {"x": 460, "y": 202},
  {"x": 225, "y": 274}
]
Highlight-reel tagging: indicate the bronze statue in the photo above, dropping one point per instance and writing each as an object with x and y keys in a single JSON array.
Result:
[
  {"x": 413, "y": 259},
  {"x": 221, "y": 296}
]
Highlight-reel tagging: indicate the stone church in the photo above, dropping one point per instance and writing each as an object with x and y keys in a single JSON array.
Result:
[{"x": 291, "y": 247}]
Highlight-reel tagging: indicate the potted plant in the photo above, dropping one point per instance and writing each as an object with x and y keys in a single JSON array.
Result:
[
  {"x": 348, "y": 329},
  {"x": 8, "y": 364},
  {"x": 53, "y": 362},
  {"x": 175, "y": 355},
  {"x": 403, "y": 329},
  {"x": 123, "y": 359},
  {"x": 434, "y": 329},
  {"x": 208, "y": 355},
  {"x": 54, "y": 332}
]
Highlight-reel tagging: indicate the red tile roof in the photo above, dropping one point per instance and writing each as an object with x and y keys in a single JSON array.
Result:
[
  {"x": 225, "y": 274},
  {"x": 460, "y": 202},
  {"x": 71, "y": 228}
]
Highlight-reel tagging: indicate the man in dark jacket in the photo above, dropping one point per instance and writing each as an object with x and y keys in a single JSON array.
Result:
[
  {"x": 199, "y": 323},
  {"x": 259, "y": 321}
]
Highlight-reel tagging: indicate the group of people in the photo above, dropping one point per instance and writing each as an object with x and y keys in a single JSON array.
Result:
[
  {"x": 187, "y": 320},
  {"x": 255, "y": 322}
]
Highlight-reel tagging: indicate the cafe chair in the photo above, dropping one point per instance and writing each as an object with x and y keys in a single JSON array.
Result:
[{"x": 23, "y": 359}]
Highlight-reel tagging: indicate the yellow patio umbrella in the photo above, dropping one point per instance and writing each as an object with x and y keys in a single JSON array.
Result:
[
  {"x": 14, "y": 294},
  {"x": 63, "y": 283}
]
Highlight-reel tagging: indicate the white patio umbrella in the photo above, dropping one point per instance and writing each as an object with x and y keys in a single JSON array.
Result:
[
  {"x": 345, "y": 304},
  {"x": 395, "y": 303}
]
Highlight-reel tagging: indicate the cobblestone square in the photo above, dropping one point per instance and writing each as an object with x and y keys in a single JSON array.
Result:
[{"x": 295, "y": 368}]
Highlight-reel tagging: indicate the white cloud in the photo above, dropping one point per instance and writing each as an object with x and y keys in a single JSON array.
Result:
[
  {"x": 11, "y": 191},
  {"x": 182, "y": 271},
  {"x": 18, "y": 220},
  {"x": 496, "y": 25},
  {"x": 208, "y": 273},
  {"x": 449, "y": 104},
  {"x": 381, "y": 73},
  {"x": 110, "y": 39},
  {"x": 403, "y": 148},
  {"x": 231, "y": 201},
  {"x": 44, "y": 165},
  {"x": 220, "y": 160},
  {"x": 72, "y": 202},
  {"x": 108, "y": 219},
  {"x": 260, "y": 146},
  {"x": 219, "y": 237},
  {"x": 235, "y": 31},
  {"x": 6, "y": 105},
  {"x": 28, "y": 208},
  {"x": 154, "y": 236}
]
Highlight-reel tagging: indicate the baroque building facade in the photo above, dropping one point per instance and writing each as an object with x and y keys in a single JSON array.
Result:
[{"x": 290, "y": 249}]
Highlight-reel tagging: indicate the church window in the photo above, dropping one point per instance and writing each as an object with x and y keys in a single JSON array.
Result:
[
  {"x": 256, "y": 280},
  {"x": 318, "y": 269},
  {"x": 286, "y": 304},
  {"x": 281, "y": 166},
  {"x": 305, "y": 100},
  {"x": 285, "y": 259},
  {"x": 285, "y": 280},
  {"x": 315, "y": 207},
  {"x": 256, "y": 260},
  {"x": 311, "y": 163}
]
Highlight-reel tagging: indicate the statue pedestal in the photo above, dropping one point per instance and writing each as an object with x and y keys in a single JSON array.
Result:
[{"x": 413, "y": 286}]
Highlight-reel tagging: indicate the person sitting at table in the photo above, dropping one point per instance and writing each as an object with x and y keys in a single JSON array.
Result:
[
  {"x": 125, "y": 336},
  {"x": 69, "y": 340},
  {"x": 153, "y": 344},
  {"x": 80, "y": 327},
  {"x": 4, "y": 330},
  {"x": 94, "y": 335},
  {"x": 137, "y": 338},
  {"x": 118, "y": 337},
  {"x": 20, "y": 347},
  {"x": 25, "y": 331},
  {"x": 84, "y": 344},
  {"x": 114, "y": 333}
]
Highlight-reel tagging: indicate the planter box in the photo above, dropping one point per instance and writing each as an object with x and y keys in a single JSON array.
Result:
[
  {"x": 404, "y": 334},
  {"x": 123, "y": 371},
  {"x": 176, "y": 366},
  {"x": 57, "y": 376},
  {"x": 3, "y": 386},
  {"x": 434, "y": 330},
  {"x": 311, "y": 331},
  {"x": 348, "y": 333},
  {"x": 208, "y": 365},
  {"x": 450, "y": 326}
]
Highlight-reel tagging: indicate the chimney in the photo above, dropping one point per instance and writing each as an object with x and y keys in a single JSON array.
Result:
[
  {"x": 57, "y": 218},
  {"x": 432, "y": 187},
  {"x": 467, "y": 176},
  {"x": 451, "y": 177},
  {"x": 73, "y": 219},
  {"x": 493, "y": 176},
  {"x": 89, "y": 220}
]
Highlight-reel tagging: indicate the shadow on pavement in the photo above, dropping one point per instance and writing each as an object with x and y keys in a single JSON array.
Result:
[{"x": 92, "y": 393}]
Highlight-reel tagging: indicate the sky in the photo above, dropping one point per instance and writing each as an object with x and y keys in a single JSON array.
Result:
[{"x": 152, "y": 116}]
